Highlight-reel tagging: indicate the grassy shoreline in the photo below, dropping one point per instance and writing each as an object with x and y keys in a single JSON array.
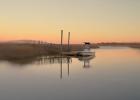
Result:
[{"x": 13, "y": 51}]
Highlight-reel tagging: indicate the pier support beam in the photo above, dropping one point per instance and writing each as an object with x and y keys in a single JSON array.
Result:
[
  {"x": 61, "y": 47},
  {"x": 68, "y": 41}
]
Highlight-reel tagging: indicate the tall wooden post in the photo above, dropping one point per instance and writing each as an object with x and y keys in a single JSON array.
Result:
[
  {"x": 68, "y": 41},
  {"x": 61, "y": 48}
]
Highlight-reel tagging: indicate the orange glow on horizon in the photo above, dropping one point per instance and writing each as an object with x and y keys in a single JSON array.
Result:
[
  {"x": 87, "y": 20},
  {"x": 74, "y": 39}
]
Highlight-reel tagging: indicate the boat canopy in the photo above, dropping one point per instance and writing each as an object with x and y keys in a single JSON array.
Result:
[{"x": 87, "y": 43}]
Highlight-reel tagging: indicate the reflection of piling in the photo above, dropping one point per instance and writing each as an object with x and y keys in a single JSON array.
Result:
[
  {"x": 68, "y": 61},
  {"x": 61, "y": 70}
]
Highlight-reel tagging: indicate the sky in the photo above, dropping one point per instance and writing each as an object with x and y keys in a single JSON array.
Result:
[{"x": 87, "y": 20}]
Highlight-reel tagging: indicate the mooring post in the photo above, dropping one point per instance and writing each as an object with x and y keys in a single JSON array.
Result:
[
  {"x": 68, "y": 41},
  {"x": 61, "y": 48}
]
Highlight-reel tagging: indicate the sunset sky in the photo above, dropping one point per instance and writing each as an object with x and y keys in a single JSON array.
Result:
[{"x": 87, "y": 20}]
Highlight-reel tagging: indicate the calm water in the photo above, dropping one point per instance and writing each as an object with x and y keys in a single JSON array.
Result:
[{"x": 114, "y": 74}]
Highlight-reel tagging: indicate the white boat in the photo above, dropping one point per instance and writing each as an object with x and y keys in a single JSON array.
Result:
[
  {"x": 86, "y": 58},
  {"x": 86, "y": 51}
]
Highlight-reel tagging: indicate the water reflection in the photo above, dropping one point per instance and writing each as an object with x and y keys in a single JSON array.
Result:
[
  {"x": 51, "y": 60},
  {"x": 64, "y": 60},
  {"x": 86, "y": 61},
  {"x": 69, "y": 60},
  {"x": 115, "y": 76}
]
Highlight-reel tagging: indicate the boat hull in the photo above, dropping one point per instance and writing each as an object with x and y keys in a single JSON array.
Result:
[{"x": 86, "y": 53}]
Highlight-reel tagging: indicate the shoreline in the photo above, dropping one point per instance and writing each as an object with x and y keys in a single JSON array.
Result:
[
  {"x": 14, "y": 51},
  {"x": 10, "y": 51}
]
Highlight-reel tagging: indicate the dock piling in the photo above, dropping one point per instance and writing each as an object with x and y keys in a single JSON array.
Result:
[
  {"x": 61, "y": 48},
  {"x": 68, "y": 41}
]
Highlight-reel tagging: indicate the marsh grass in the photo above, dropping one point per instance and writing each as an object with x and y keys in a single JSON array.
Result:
[{"x": 13, "y": 51}]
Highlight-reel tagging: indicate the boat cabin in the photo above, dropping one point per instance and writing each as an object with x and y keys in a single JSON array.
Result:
[{"x": 87, "y": 46}]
